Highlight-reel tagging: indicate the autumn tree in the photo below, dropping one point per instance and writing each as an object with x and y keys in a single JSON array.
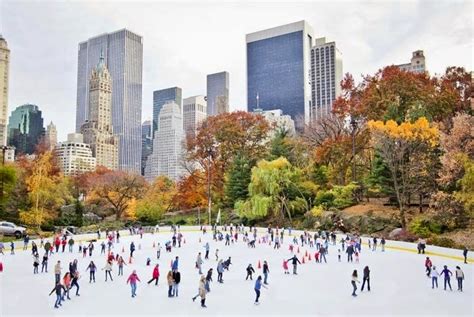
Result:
[
  {"x": 117, "y": 189},
  {"x": 407, "y": 149},
  {"x": 157, "y": 200},
  {"x": 8, "y": 178},
  {"x": 220, "y": 139},
  {"x": 191, "y": 191}
]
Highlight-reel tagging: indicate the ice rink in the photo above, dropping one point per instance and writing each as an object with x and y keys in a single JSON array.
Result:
[{"x": 399, "y": 285}]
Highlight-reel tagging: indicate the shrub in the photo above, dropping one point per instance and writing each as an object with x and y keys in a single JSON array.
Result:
[
  {"x": 443, "y": 242},
  {"x": 424, "y": 227}
]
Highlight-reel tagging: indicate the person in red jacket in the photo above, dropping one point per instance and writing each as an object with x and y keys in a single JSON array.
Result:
[
  {"x": 285, "y": 266},
  {"x": 57, "y": 243},
  {"x": 132, "y": 279},
  {"x": 428, "y": 266},
  {"x": 63, "y": 244},
  {"x": 156, "y": 275}
]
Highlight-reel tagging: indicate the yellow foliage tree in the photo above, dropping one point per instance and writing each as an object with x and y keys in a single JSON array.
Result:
[{"x": 408, "y": 150}]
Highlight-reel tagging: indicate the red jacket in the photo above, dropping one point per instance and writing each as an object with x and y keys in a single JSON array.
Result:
[
  {"x": 63, "y": 242},
  {"x": 133, "y": 278},
  {"x": 156, "y": 272},
  {"x": 57, "y": 241},
  {"x": 428, "y": 263}
]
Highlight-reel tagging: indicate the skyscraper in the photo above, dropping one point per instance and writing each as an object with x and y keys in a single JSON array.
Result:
[
  {"x": 278, "y": 70},
  {"x": 123, "y": 54},
  {"x": 417, "y": 63},
  {"x": 147, "y": 142},
  {"x": 98, "y": 130},
  {"x": 326, "y": 76},
  {"x": 217, "y": 93},
  {"x": 194, "y": 112},
  {"x": 74, "y": 156},
  {"x": 51, "y": 136},
  {"x": 162, "y": 96},
  {"x": 25, "y": 128},
  {"x": 4, "y": 66},
  {"x": 167, "y": 155}
]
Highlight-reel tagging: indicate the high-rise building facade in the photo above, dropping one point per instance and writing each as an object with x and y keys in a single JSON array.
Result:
[
  {"x": 326, "y": 76},
  {"x": 98, "y": 130},
  {"x": 278, "y": 70},
  {"x": 194, "y": 113},
  {"x": 74, "y": 156},
  {"x": 25, "y": 128},
  {"x": 51, "y": 136},
  {"x": 278, "y": 121},
  {"x": 123, "y": 54},
  {"x": 167, "y": 156},
  {"x": 217, "y": 93},
  {"x": 162, "y": 96},
  {"x": 417, "y": 63},
  {"x": 147, "y": 142},
  {"x": 4, "y": 69}
]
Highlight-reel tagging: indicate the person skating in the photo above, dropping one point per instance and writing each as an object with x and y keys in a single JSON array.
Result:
[
  {"x": 217, "y": 255},
  {"x": 220, "y": 271},
  {"x": 339, "y": 255},
  {"x": 132, "y": 279},
  {"x": 120, "y": 264},
  {"x": 459, "y": 277},
  {"x": 199, "y": 263},
  {"x": 57, "y": 271},
  {"x": 257, "y": 288},
  {"x": 155, "y": 275},
  {"x": 209, "y": 280},
  {"x": 63, "y": 244},
  {"x": 169, "y": 279},
  {"x": 294, "y": 261},
  {"x": 382, "y": 244},
  {"x": 158, "y": 251},
  {"x": 36, "y": 263},
  {"x": 67, "y": 284},
  {"x": 206, "y": 247},
  {"x": 447, "y": 277},
  {"x": 434, "y": 277},
  {"x": 250, "y": 271},
  {"x": 350, "y": 251},
  {"x": 58, "y": 288},
  {"x": 176, "y": 281},
  {"x": 44, "y": 263},
  {"x": 285, "y": 266},
  {"x": 74, "y": 282},
  {"x": 108, "y": 270},
  {"x": 266, "y": 270},
  {"x": 464, "y": 253},
  {"x": 12, "y": 248},
  {"x": 366, "y": 278},
  {"x": 92, "y": 269},
  {"x": 202, "y": 291},
  {"x": 353, "y": 282},
  {"x": 428, "y": 265},
  {"x": 34, "y": 248},
  {"x": 26, "y": 240},
  {"x": 102, "y": 248},
  {"x": 175, "y": 264},
  {"x": 132, "y": 249}
]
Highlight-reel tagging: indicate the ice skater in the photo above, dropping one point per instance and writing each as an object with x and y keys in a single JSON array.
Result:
[
  {"x": 155, "y": 275},
  {"x": 58, "y": 289},
  {"x": 428, "y": 265},
  {"x": 266, "y": 270},
  {"x": 92, "y": 269},
  {"x": 459, "y": 277},
  {"x": 199, "y": 263},
  {"x": 285, "y": 267},
  {"x": 158, "y": 251},
  {"x": 366, "y": 278},
  {"x": 258, "y": 286},
  {"x": 250, "y": 270},
  {"x": 353, "y": 282},
  {"x": 169, "y": 279},
  {"x": 434, "y": 277},
  {"x": 57, "y": 271},
  {"x": 176, "y": 281},
  {"x": 44, "y": 263},
  {"x": 464, "y": 253},
  {"x": 294, "y": 261},
  {"x": 74, "y": 282},
  {"x": 36, "y": 263},
  {"x": 108, "y": 270},
  {"x": 220, "y": 271},
  {"x": 206, "y": 247},
  {"x": 447, "y": 277},
  {"x": 132, "y": 279}
]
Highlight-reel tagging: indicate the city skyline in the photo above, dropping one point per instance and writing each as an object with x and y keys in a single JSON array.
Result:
[{"x": 166, "y": 66}]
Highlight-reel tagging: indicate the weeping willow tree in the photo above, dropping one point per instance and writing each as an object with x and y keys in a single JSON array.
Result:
[{"x": 274, "y": 191}]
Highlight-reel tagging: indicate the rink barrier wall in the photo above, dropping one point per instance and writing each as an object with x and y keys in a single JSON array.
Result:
[{"x": 390, "y": 244}]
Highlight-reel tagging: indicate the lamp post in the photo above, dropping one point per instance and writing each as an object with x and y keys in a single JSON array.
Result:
[{"x": 209, "y": 155}]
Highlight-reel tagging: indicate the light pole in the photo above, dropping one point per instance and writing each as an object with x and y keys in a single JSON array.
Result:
[{"x": 209, "y": 152}]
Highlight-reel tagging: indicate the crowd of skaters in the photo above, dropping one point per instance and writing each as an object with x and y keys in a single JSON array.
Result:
[{"x": 320, "y": 241}]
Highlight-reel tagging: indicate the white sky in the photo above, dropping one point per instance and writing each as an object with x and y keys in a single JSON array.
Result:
[{"x": 184, "y": 41}]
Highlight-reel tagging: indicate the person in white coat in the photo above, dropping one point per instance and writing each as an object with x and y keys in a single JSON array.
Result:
[{"x": 434, "y": 277}]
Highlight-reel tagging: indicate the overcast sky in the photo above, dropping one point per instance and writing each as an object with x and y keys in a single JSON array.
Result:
[{"x": 184, "y": 41}]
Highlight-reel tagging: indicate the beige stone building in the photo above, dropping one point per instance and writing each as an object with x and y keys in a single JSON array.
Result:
[
  {"x": 51, "y": 136},
  {"x": 98, "y": 130},
  {"x": 74, "y": 156},
  {"x": 4, "y": 65}
]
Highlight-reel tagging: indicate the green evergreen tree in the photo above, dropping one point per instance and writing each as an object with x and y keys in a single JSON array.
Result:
[
  {"x": 8, "y": 179},
  {"x": 379, "y": 180},
  {"x": 238, "y": 180},
  {"x": 79, "y": 211},
  {"x": 279, "y": 146}
]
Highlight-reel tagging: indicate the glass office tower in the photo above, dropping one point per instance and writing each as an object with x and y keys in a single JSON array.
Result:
[
  {"x": 123, "y": 52},
  {"x": 160, "y": 97},
  {"x": 217, "y": 93},
  {"x": 25, "y": 128},
  {"x": 278, "y": 70}
]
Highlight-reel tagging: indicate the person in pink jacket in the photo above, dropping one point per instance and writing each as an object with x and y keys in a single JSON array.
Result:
[
  {"x": 285, "y": 266},
  {"x": 156, "y": 275},
  {"x": 132, "y": 279}
]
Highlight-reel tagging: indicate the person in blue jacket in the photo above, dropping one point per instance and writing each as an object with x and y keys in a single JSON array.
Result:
[
  {"x": 174, "y": 267},
  {"x": 257, "y": 288}
]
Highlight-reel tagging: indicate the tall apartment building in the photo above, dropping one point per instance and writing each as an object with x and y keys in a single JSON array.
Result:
[
  {"x": 417, "y": 63},
  {"x": 167, "y": 156},
  {"x": 162, "y": 96},
  {"x": 74, "y": 156},
  {"x": 123, "y": 54},
  {"x": 25, "y": 128},
  {"x": 194, "y": 113},
  {"x": 98, "y": 129},
  {"x": 278, "y": 70},
  {"x": 4, "y": 69},
  {"x": 51, "y": 136},
  {"x": 217, "y": 93},
  {"x": 277, "y": 121},
  {"x": 326, "y": 76},
  {"x": 147, "y": 142}
]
